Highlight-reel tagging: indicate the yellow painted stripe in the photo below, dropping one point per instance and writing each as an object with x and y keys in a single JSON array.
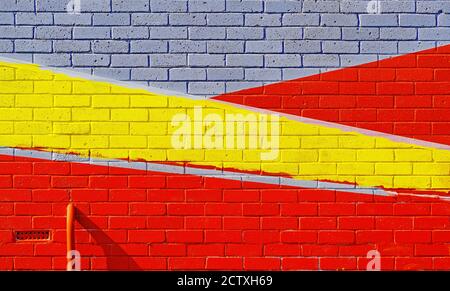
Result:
[{"x": 53, "y": 111}]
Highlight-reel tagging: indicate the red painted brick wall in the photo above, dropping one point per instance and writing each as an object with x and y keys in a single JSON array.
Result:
[{"x": 125, "y": 221}]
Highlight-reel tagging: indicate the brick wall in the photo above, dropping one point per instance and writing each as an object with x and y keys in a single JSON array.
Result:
[
  {"x": 211, "y": 47},
  {"x": 363, "y": 164}
]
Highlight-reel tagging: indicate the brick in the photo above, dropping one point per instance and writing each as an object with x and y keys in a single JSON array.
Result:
[
  {"x": 318, "y": 223},
  {"x": 378, "y": 20},
  {"x": 224, "y": 263},
  {"x": 223, "y": 236},
  {"x": 148, "y": 46},
  {"x": 172, "y": 250},
  {"x": 187, "y": 19},
  {"x": 356, "y": 222},
  {"x": 186, "y": 263},
  {"x": 155, "y": 19},
  {"x": 260, "y": 209},
  {"x": 262, "y": 263},
  {"x": 374, "y": 236},
  {"x": 136, "y": 32},
  {"x": 244, "y": 33},
  {"x": 199, "y": 33},
  {"x": 300, "y": 264},
  {"x": 184, "y": 236},
  {"x": 91, "y": 33},
  {"x": 322, "y": 33},
  {"x": 135, "y": 6}
]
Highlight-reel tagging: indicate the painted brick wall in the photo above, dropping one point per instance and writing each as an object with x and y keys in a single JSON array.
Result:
[
  {"x": 216, "y": 46},
  {"x": 364, "y": 151}
]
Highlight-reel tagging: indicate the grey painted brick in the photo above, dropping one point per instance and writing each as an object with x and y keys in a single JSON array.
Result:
[
  {"x": 53, "y": 32},
  {"x": 66, "y": 46},
  {"x": 129, "y": 60},
  {"x": 25, "y": 57},
  {"x": 239, "y": 85},
  {"x": 149, "y": 46},
  {"x": 244, "y": 60},
  {"x": 168, "y": 60},
  {"x": 417, "y": 20},
  {"x": 203, "y": 60},
  {"x": 393, "y": 33},
  {"x": 301, "y": 19},
  {"x": 363, "y": 33},
  {"x": 283, "y": 6},
  {"x": 34, "y": 18},
  {"x": 187, "y": 19},
  {"x": 443, "y": 19},
  {"x": 187, "y": 46},
  {"x": 322, "y": 60},
  {"x": 206, "y": 5},
  {"x": 130, "y": 32},
  {"x": 149, "y": 74},
  {"x": 91, "y": 60},
  {"x": 322, "y": 33},
  {"x": 176, "y": 86},
  {"x": 225, "y": 74},
  {"x": 72, "y": 19},
  {"x": 378, "y": 20},
  {"x": 206, "y": 88},
  {"x": 262, "y": 19},
  {"x": 353, "y": 60},
  {"x": 130, "y": 6},
  {"x": 225, "y": 19},
  {"x": 225, "y": 47},
  {"x": 302, "y": 46},
  {"x": 284, "y": 33},
  {"x": 109, "y": 46},
  {"x": 168, "y": 6},
  {"x": 17, "y": 5},
  {"x": 397, "y": 6},
  {"x": 378, "y": 47},
  {"x": 266, "y": 74},
  {"x": 414, "y": 46},
  {"x": 283, "y": 61},
  {"x": 207, "y": 32},
  {"x": 185, "y": 74},
  {"x": 6, "y": 18},
  {"x": 95, "y": 6},
  {"x": 6, "y": 46},
  {"x": 256, "y": 46},
  {"x": 168, "y": 32},
  {"x": 353, "y": 6},
  {"x": 49, "y": 5},
  {"x": 57, "y": 60},
  {"x": 340, "y": 47},
  {"x": 440, "y": 33},
  {"x": 27, "y": 46},
  {"x": 149, "y": 19},
  {"x": 320, "y": 6},
  {"x": 111, "y": 19},
  {"x": 91, "y": 32},
  {"x": 432, "y": 6},
  {"x": 16, "y": 32},
  {"x": 294, "y": 73},
  {"x": 244, "y": 6},
  {"x": 121, "y": 74},
  {"x": 336, "y": 19},
  {"x": 245, "y": 33}
]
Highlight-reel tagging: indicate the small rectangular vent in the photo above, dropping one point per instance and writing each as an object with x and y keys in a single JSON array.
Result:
[{"x": 32, "y": 235}]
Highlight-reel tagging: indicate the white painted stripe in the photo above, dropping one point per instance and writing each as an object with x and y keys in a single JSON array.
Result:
[{"x": 174, "y": 169}]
